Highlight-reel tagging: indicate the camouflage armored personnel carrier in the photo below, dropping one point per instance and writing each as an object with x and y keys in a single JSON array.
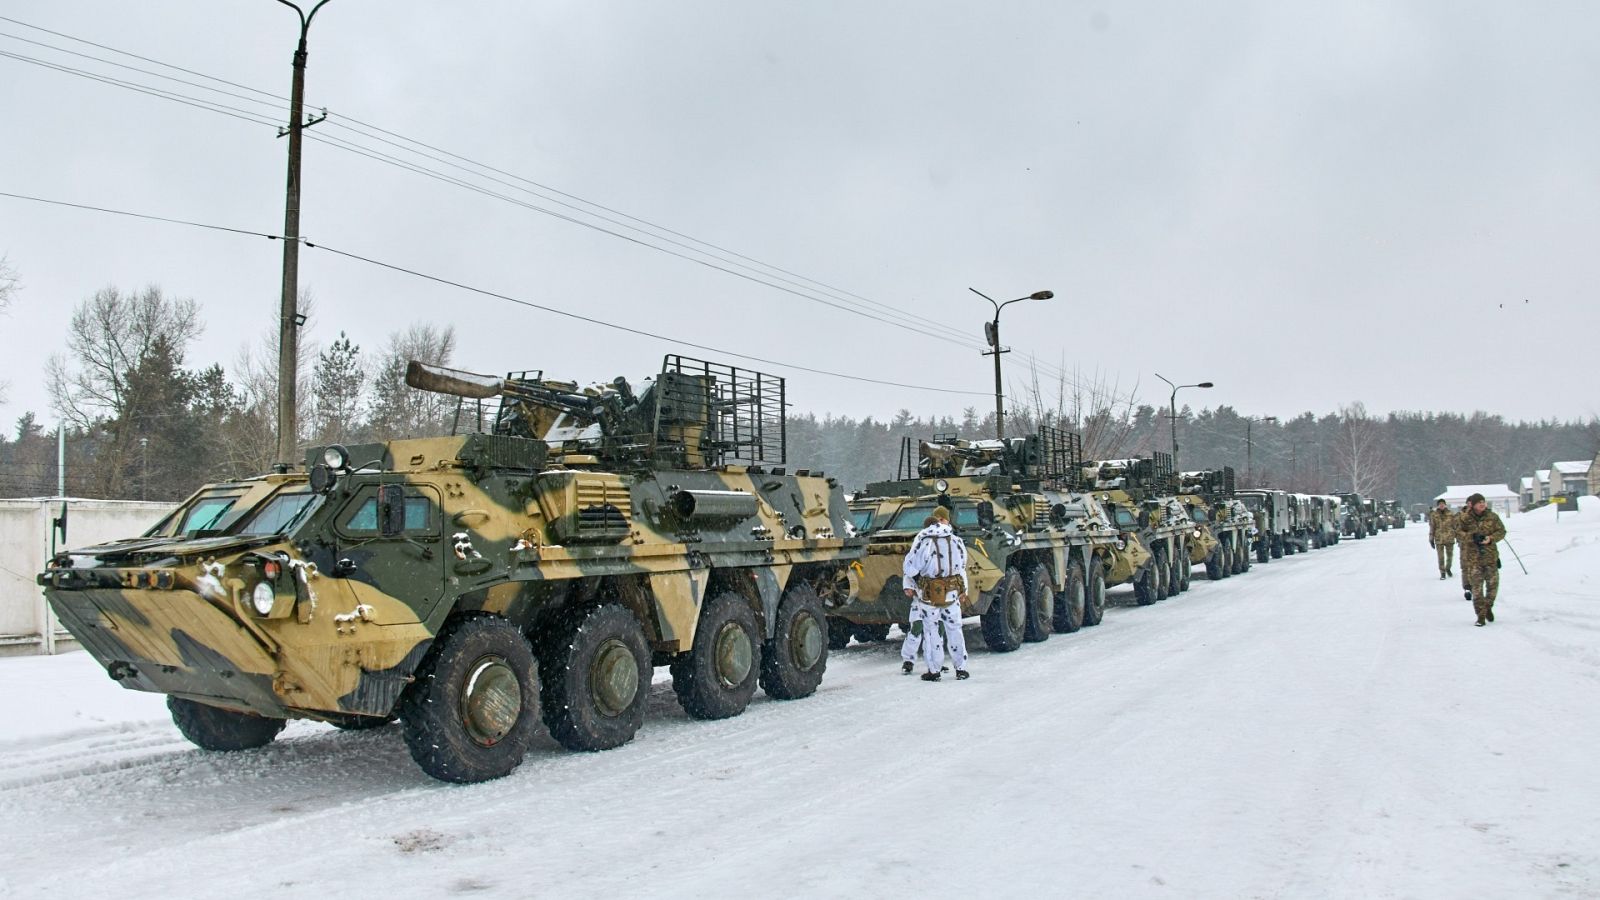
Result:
[
  {"x": 1210, "y": 497},
  {"x": 1037, "y": 550},
  {"x": 1160, "y": 537},
  {"x": 472, "y": 585},
  {"x": 1396, "y": 512}
]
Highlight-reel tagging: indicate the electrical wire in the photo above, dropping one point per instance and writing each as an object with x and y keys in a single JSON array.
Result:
[
  {"x": 796, "y": 288},
  {"x": 506, "y": 297}
]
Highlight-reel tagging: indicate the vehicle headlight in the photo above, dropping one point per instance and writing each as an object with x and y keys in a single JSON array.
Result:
[
  {"x": 263, "y": 597},
  {"x": 941, "y": 485},
  {"x": 336, "y": 457}
]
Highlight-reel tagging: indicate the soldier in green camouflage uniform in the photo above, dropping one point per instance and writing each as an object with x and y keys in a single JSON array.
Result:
[
  {"x": 1441, "y": 536},
  {"x": 1479, "y": 529}
]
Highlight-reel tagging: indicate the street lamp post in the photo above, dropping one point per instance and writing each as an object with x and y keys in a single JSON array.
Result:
[
  {"x": 1249, "y": 467},
  {"x": 1173, "y": 402},
  {"x": 289, "y": 319},
  {"x": 991, "y": 331}
]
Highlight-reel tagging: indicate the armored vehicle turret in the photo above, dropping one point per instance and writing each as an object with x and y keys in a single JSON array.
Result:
[
  {"x": 473, "y": 585},
  {"x": 1036, "y": 547}
]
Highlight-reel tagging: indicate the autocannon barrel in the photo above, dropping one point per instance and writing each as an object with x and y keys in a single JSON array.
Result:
[{"x": 454, "y": 382}]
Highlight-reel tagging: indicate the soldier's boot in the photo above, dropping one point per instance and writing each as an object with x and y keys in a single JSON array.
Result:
[
  {"x": 962, "y": 675},
  {"x": 1488, "y": 612},
  {"x": 1443, "y": 575},
  {"x": 1469, "y": 596},
  {"x": 1479, "y": 623},
  {"x": 906, "y": 667},
  {"x": 930, "y": 676}
]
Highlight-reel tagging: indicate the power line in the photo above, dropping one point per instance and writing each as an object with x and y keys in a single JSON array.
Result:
[
  {"x": 488, "y": 293},
  {"x": 955, "y": 336}
]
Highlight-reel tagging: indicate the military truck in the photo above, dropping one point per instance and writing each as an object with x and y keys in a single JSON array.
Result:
[
  {"x": 1358, "y": 521},
  {"x": 1210, "y": 496},
  {"x": 473, "y": 584},
  {"x": 1304, "y": 533},
  {"x": 1396, "y": 512},
  {"x": 1036, "y": 549},
  {"x": 1159, "y": 537},
  {"x": 1326, "y": 518},
  {"x": 1272, "y": 511}
]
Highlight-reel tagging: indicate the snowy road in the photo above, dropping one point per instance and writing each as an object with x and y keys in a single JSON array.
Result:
[{"x": 1329, "y": 724}]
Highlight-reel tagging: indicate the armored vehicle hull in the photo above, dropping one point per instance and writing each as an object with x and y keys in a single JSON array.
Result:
[{"x": 472, "y": 586}]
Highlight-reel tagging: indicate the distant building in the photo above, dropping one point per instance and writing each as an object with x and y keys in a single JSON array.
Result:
[
  {"x": 1570, "y": 477},
  {"x": 1541, "y": 485},
  {"x": 1594, "y": 475},
  {"x": 1530, "y": 488},
  {"x": 1501, "y": 499}
]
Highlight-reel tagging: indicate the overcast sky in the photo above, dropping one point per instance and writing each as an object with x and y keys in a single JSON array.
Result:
[{"x": 1306, "y": 203}]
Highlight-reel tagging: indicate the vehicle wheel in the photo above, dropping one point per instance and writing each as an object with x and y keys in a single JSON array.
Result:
[
  {"x": 1041, "y": 605},
  {"x": 1094, "y": 594},
  {"x": 215, "y": 728},
  {"x": 1175, "y": 582},
  {"x": 870, "y": 634},
  {"x": 792, "y": 662},
  {"x": 839, "y": 633},
  {"x": 1072, "y": 603},
  {"x": 1144, "y": 586},
  {"x": 1267, "y": 549},
  {"x": 596, "y": 679},
  {"x": 715, "y": 679},
  {"x": 353, "y": 722},
  {"x": 1244, "y": 555},
  {"x": 1159, "y": 564},
  {"x": 473, "y": 707},
  {"x": 1007, "y": 618},
  {"x": 1186, "y": 569}
]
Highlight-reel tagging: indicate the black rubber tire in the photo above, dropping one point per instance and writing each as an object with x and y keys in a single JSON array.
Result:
[
  {"x": 839, "y": 632},
  {"x": 1226, "y": 556},
  {"x": 1069, "y": 607},
  {"x": 1267, "y": 550},
  {"x": 434, "y": 708},
  {"x": 1144, "y": 592},
  {"x": 1041, "y": 605},
  {"x": 792, "y": 663},
  {"x": 1214, "y": 564},
  {"x": 222, "y": 730},
  {"x": 353, "y": 722},
  {"x": 1175, "y": 583},
  {"x": 870, "y": 634},
  {"x": 1006, "y": 620},
  {"x": 717, "y": 677},
  {"x": 1186, "y": 570},
  {"x": 1244, "y": 554},
  {"x": 1094, "y": 593},
  {"x": 1163, "y": 573},
  {"x": 596, "y": 679}
]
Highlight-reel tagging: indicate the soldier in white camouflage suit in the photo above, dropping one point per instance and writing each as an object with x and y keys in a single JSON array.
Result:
[{"x": 935, "y": 578}]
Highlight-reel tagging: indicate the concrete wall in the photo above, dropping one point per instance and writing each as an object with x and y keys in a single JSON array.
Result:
[{"x": 25, "y": 548}]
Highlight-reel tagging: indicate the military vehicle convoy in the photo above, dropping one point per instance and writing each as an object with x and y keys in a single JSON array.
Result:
[
  {"x": 473, "y": 585},
  {"x": 1037, "y": 551},
  {"x": 1159, "y": 537},
  {"x": 1360, "y": 518},
  {"x": 1272, "y": 511}
]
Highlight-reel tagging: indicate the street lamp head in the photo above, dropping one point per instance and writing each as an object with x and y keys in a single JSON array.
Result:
[
  {"x": 1205, "y": 384},
  {"x": 1041, "y": 295}
]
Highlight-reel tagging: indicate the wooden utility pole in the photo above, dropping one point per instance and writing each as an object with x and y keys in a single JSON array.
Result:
[{"x": 289, "y": 318}]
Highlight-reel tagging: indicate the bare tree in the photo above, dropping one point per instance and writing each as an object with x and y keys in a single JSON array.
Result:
[
  {"x": 1091, "y": 406},
  {"x": 123, "y": 368},
  {"x": 1361, "y": 452},
  {"x": 10, "y": 284},
  {"x": 251, "y": 444},
  {"x": 399, "y": 411}
]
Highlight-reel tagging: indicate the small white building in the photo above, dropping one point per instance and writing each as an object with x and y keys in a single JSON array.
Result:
[
  {"x": 1541, "y": 485},
  {"x": 1529, "y": 491},
  {"x": 1569, "y": 477},
  {"x": 1501, "y": 499}
]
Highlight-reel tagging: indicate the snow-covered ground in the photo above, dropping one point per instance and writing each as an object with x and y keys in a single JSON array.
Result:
[{"x": 1329, "y": 725}]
